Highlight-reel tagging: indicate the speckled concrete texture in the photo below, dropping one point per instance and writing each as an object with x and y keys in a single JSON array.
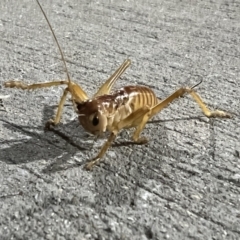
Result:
[{"x": 183, "y": 184}]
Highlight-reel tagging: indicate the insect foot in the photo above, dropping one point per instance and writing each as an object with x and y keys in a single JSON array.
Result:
[
  {"x": 49, "y": 124},
  {"x": 93, "y": 162},
  {"x": 142, "y": 140},
  {"x": 220, "y": 114}
]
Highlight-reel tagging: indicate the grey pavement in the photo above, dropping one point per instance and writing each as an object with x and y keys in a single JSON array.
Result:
[{"x": 183, "y": 184}]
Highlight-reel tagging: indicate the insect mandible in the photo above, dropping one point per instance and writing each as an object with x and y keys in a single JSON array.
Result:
[{"x": 128, "y": 107}]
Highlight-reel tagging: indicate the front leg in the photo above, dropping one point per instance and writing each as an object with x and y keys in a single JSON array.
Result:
[
  {"x": 133, "y": 120},
  {"x": 137, "y": 119},
  {"x": 103, "y": 150}
]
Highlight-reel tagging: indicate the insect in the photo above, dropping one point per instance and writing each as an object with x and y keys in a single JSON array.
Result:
[{"x": 128, "y": 107}]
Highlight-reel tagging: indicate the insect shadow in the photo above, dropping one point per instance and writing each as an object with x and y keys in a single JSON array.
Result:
[
  {"x": 132, "y": 172},
  {"x": 38, "y": 144},
  {"x": 59, "y": 144}
]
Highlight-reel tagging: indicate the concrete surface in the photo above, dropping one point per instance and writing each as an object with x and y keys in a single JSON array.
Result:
[{"x": 184, "y": 184}]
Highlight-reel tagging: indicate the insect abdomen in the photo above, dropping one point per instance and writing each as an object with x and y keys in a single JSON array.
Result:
[{"x": 140, "y": 96}]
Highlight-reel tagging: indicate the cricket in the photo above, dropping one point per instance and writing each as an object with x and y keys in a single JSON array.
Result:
[{"x": 107, "y": 111}]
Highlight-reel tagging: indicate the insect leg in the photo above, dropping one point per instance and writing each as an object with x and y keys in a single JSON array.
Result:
[
  {"x": 180, "y": 92},
  {"x": 103, "y": 150},
  {"x": 24, "y": 86},
  {"x": 137, "y": 119},
  {"x": 107, "y": 86},
  {"x": 56, "y": 120},
  {"x": 132, "y": 120},
  {"x": 207, "y": 112},
  {"x": 154, "y": 110}
]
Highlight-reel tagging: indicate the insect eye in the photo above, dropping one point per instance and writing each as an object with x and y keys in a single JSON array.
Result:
[{"x": 95, "y": 121}]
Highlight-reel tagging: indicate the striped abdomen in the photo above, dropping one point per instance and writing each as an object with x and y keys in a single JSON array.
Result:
[
  {"x": 140, "y": 96},
  {"x": 125, "y": 101}
]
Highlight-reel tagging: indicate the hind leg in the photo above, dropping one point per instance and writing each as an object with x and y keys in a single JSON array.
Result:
[
  {"x": 180, "y": 92},
  {"x": 157, "y": 108}
]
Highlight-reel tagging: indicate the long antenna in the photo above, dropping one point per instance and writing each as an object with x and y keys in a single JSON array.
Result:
[
  {"x": 59, "y": 48},
  {"x": 197, "y": 83}
]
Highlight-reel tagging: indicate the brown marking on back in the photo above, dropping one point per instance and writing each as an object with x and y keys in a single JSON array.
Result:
[{"x": 88, "y": 107}]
